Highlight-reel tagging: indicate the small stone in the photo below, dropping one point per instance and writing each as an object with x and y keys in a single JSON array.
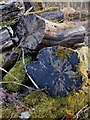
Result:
[
  {"x": 33, "y": 109},
  {"x": 25, "y": 115}
]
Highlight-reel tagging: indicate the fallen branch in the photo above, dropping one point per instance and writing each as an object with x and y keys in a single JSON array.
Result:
[
  {"x": 28, "y": 10},
  {"x": 10, "y": 82},
  {"x": 14, "y": 100},
  {"x": 26, "y": 70},
  {"x": 8, "y": 73}
]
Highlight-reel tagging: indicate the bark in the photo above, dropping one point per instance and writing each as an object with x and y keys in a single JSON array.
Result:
[
  {"x": 10, "y": 12},
  {"x": 10, "y": 62},
  {"x": 5, "y": 40},
  {"x": 61, "y": 34},
  {"x": 53, "y": 15}
]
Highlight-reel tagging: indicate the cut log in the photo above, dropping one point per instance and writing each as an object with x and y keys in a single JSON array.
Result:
[
  {"x": 62, "y": 34},
  {"x": 9, "y": 59},
  {"x": 52, "y": 28},
  {"x": 8, "y": 15},
  {"x": 53, "y": 15},
  {"x": 66, "y": 37},
  {"x": 30, "y": 31},
  {"x": 5, "y": 40},
  {"x": 56, "y": 70}
]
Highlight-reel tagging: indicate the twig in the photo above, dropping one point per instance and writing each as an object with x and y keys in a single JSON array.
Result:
[
  {"x": 41, "y": 17},
  {"x": 16, "y": 78},
  {"x": 28, "y": 10},
  {"x": 10, "y": 82},
  {"x": 26, "y": 70},
  {"x": 29, "y": 88},
  {"x": 8, "y": 73},
  {"x": 44, "y": 10},
  {"x": 81, "y": 111},
  {"x": 14, "y": 100},
  {"x": 86, "y": 109},
  {"x": 23, "y": 56}
]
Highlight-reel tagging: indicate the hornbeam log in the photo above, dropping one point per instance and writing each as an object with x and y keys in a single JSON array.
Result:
[
  {"x": 68, "y": 37},
  {"x": 5, "y": 40},
  {"x": 9, "y": 59},
  {"x": 53, "y": 15},
  {"x": 56, "y": 69},
  {"x": 33, "y": 30},
  {"x": 63, "y": 34}
]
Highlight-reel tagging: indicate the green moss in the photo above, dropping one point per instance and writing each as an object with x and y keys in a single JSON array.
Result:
[
  {"x": 83, "y": 66},
  {"x": 84, "y": 57},
  {"x": 43, "y": 106},
  {"x": 19, "y": 72},
  {"x": 9, "y": 113},
  {"x": 1, "y": 59},
  {"x": 8, "y": 23},
  {"x": 63, "y": 53}
]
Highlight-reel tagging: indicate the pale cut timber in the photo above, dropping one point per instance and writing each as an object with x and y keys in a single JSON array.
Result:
[
  {"x": 62, "y": 34},
  {"x": 52, "y": 27}
]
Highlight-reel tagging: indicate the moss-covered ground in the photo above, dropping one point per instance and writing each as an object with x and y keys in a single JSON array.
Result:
[{"x": 44, "y": 106}]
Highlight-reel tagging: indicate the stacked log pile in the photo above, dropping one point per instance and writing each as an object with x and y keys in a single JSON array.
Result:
[{"x": 58, "y": 64}]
